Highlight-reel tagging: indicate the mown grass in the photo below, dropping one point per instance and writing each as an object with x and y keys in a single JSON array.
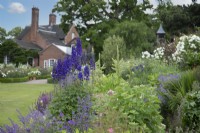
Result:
[{"x": 19, "y": 96}]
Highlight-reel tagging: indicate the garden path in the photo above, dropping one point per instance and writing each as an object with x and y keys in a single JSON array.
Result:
[{"x": 40, "y": 81}]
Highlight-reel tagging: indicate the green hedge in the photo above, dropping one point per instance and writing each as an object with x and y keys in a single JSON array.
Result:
[
  {"x": 43, "y": 77},
  {"x": 13, "y": 80}
]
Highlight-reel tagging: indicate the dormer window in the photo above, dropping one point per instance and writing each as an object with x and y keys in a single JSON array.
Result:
[{"x": 73, "y": 35}]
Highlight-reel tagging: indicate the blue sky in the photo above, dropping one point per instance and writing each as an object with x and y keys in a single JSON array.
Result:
[{"x": 15, "y": 13}]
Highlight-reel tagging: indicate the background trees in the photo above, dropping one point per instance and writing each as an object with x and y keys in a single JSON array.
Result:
[{"x": 95, "y": 18}]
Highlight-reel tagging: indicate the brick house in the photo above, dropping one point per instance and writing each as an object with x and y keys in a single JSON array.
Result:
[{"x": 49, "y": 40}]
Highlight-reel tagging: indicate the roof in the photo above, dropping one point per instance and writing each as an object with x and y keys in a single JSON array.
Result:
[
  {"x": 52, "y": 34},
  {"x": 160, "y": 30},
  {"x": 27, "y": 45},
  {"x": 46, "y": 29},
  {"x": 51, "y": 37},
  {"x": 24, "y": 32},
  {"x": 65, "y": 49},
  {"x": 54, "y": 28}
]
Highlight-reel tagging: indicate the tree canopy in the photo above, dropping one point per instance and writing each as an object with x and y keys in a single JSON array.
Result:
[
  {"x": 15, "y": 32},
  {"x": 95, "y": 18}
]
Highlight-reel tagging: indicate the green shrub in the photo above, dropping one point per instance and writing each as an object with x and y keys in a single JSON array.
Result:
[
  {"x": 43, "y": 76},
  {"x": 191, "y": 111},
  {"x": 110, "y": 51},
  {"x": 181, "y": 97},
  {"x": 13, "y": 80},
  {"x": 50, "y": 80},
  {"x": 65, "y": 100},
  {"x": 139, "y": 106}
]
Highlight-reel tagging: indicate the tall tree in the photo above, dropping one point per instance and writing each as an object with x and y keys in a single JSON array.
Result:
[
  {"x": 175, "y": 19},
  {"x": 94, "y": 18},
  {"x": 138, "y": 36},
  {"x": 15, "y": 32},
  {"x": 2, "y": 35}
]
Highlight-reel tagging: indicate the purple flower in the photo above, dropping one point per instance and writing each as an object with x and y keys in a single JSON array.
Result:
[
  {"x": 61, "y": 115},
  {"x": 71, "y": 122},
  {"x": 86, "y": 72},
  {"x": 78, "y": 47},
  {"x": 80, "y": 76},
  {"x": 42, "y": 102}
]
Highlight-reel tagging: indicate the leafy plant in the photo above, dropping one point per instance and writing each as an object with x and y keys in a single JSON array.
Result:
[
  {"x": 65, "y": 100},
  {"x": 140, "y": 105},
  {"x": 110, "y": 51}
]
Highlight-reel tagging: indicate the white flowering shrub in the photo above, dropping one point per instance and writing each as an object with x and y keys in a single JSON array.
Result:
[
  {"x": 157, "y": 54},
  {"x": 10, "y": 71},
  {"x": 187, "y": 52},
  {"x": 34, "y": 73}
]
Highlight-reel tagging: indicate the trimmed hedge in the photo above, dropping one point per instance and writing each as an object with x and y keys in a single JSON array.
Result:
[
  {"x": 43, "y": 77},
  {"x": 13, "y": 80}
]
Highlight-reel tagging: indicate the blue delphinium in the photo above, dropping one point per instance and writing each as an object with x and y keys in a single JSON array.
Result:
[
  {"x": 72, "y": 65},
  {"x": 86, "y": 72},
  {"x": 80, "y": 76}
]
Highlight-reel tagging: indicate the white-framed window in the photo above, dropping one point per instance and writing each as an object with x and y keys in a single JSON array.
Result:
[
  {"x": 49, "y": 63},
  {"x": 52, "y": 62},
  {"x": 46, "y": 63},
  {"x": 73, "y": 35}
]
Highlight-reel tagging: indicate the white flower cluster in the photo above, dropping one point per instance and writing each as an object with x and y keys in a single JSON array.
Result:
[
  {"x": 185, "y": 42},
  {"x": 34, "y": 73},
  {"x": 146, "y": 55},
  {"x": 3, "y": 75},
  {"x": 158, "y": 53}
]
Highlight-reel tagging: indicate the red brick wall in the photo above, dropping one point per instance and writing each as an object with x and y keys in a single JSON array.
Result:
[
  {"x": 41, "y": 42},
  {"x": 52, "y": 52},
  {"x": 68, "y": 38}
]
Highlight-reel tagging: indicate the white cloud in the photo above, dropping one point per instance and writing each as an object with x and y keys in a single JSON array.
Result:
[
  {"x": 16, "y": 7},
  {"x": 1, "y": 7}
]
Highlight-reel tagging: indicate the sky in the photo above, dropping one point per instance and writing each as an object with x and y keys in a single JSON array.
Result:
[{"x": 15, "y": 13}]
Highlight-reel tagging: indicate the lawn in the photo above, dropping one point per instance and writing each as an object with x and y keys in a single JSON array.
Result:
[{"x": 18, "y": 96}]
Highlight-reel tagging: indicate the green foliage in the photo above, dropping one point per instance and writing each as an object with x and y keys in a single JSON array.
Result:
[
  {"x": 14, "y": 33},
  {"x": 138, "y": 36},
  {"x": 102, "y": 14},
  {"x": 110, "y": 51},
  {"x": 175, "y": 19},
  {"x": 13, "y": 80},
  {"x": 50, "y": 80},
  {"x": 2, "y": 35},
  {"x": 15, "y": 53},
  {"x": 65, "y": 100},
  {"x": 140, "y": 105},
  {"x": 191, "y": 111},
  {"x": 181, "y": 98}
]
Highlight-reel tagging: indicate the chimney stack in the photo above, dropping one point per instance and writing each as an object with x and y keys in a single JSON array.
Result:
[
  {"x": 34, "y": 23},
  {"x": 52, "y": 19}
]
